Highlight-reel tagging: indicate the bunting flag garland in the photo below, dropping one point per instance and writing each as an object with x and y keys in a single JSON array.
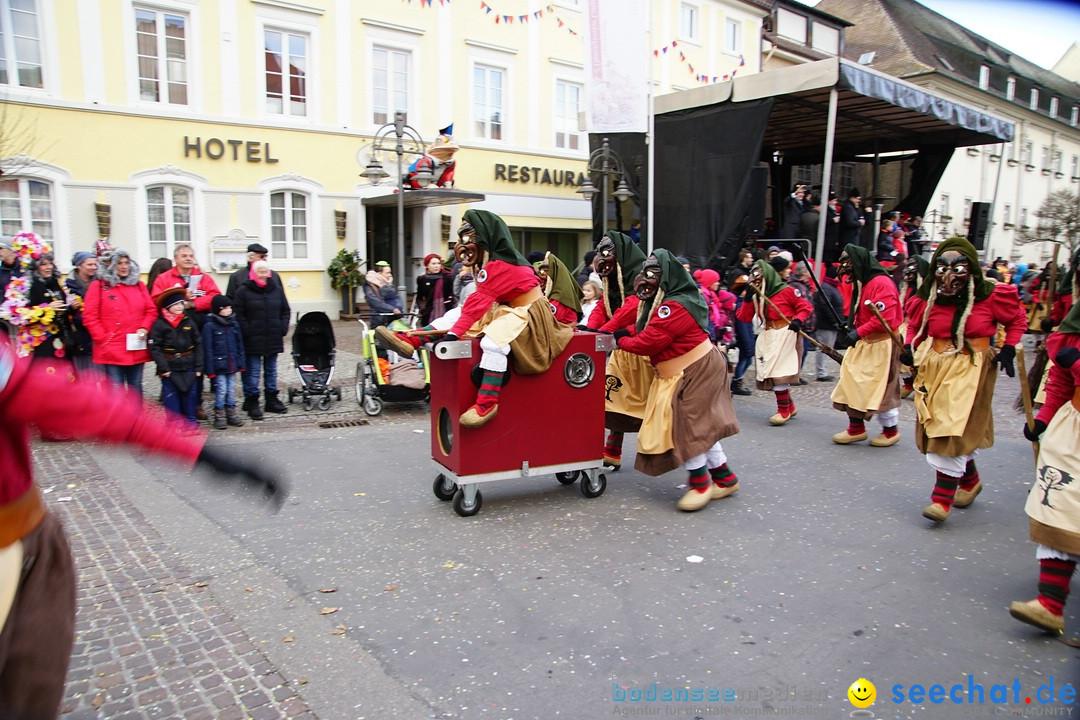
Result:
[
  {"x": 427, "y": 3},
  {"x": 522, "y": 19},
  {"x": 702, "y": 78}
]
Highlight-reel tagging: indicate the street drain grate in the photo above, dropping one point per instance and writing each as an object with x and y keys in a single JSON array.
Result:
[{"x": 342, "y": 423}]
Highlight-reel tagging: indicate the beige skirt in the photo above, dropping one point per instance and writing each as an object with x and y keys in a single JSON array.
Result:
[
  {"x": 1053, "y": 505},
  {"x": 534, "y": 335},
  {"x": 629, "y": 377},
  {"x": 778, "y": 356},
  {"x": 953, "y": 396},
  {"x": 685, "y": 415},
  {"x": 869, "y": 379}
]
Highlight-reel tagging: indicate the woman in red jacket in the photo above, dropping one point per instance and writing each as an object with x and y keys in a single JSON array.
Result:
[{"x": 118, "y": 313}]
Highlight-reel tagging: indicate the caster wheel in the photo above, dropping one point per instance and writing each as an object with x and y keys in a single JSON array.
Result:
[
  {"x": 373, "y": 405},
  {"x": 337, "y": 393},
  {"x": 308, "y": 404},
  {"x": 443, "y": 488},
  {"x": 567, "y": 478},
  {"x": 324, "y": 402},
  {"x": 467, "y": 510},
  {"x": 292, "y": 395},
  {"x": 593, "y": 490}
]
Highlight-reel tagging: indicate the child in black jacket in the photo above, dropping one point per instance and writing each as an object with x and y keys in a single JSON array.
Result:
[
  {"x": 176, "y": 348},
  {"x": 223, "y": 351}
]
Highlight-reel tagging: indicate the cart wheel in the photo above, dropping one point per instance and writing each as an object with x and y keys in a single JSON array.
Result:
[
  {"x": 360, "y": 383},
  {"x": 443, "y": 488},
  {"x": 567, "y": 478},
  {"x": 337, "y": 393},
  {"x": 592, "y": 489},
  {"x": 324, "y": 402},
  {"x": 372, "y": 405},
  {"x": 467, "y": 510}
]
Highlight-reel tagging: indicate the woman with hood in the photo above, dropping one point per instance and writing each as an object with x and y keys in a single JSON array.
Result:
[
  {"x": 868, "y": 376},
  {"x": 434, "y": 290},
  {"x": 914, "y": 274},
  {"x": 507, "y": 309},
  {"x": 778, "y": 348},
  {"x": 119, "y": 313},
  {"x": 1053, "y": 505},
  {"x": 955, "y": 315},
  {"x": 689, "y": 408},
  {"x": 618, "y": 262},
  {"x": 45, "y": 292},
  {"x": 83, "y": 272},
  {"x": 561, "y": 290}
]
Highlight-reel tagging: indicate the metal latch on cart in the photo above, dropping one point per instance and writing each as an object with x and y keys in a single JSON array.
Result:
[{"x": 454, "y": 350}]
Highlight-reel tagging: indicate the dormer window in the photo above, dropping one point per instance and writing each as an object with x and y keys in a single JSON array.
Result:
[
  {"x": 1053, "y": 107},
  {"x": 1075, "y": 115},
  {"x": 791, "y": 25},
  {"x": 984, "y": 77},
  {"x": 1010, "y": 89},
  {"x": 1034, "y": 104}
]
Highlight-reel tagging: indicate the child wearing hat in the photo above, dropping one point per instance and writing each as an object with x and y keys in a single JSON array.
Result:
[
  {"x": 223, "y": 358},
  {"x": 175, "y": 347}
]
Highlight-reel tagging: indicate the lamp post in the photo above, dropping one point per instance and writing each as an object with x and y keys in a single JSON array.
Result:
[
  {"x": 374, "y": 173},
  {"x": 605, "y": 162}
]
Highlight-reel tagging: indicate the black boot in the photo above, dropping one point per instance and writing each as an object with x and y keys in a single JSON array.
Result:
[
  {"x": 251, "y": 407},
  {"x": 232, "y": 417},
  {"x": 738, "y": 389},
  {"x": 219, "y": 419},
  {"x": 273, "y": 404}
]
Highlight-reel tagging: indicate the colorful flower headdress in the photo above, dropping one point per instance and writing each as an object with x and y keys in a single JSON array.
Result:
[{"x": 29, "y": 247}]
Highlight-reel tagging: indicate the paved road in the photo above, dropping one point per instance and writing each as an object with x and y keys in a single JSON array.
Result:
[{"x": 820, "y": 571}]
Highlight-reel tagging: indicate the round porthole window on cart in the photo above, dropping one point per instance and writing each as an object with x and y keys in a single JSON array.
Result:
[
  {"x": 446, "y": 432},
  {"x": 579, "y": 370}
]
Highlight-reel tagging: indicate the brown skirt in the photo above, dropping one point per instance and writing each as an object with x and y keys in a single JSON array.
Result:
[
  {"x": 36, "y": 641},
  {"x": 979, "y": 430},
  {"x": 702, "y": 414},
  {"x": 540, "y": 342}
]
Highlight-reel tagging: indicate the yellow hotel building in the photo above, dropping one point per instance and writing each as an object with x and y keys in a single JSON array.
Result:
[{"x": 225, "y": 122}]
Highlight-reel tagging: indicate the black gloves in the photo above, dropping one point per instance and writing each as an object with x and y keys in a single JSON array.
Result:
[
  {"x": 1047, "y": 325},
  {"x": 795, "y": 326},
  {"x": 448, "y": 337},
  {"x": 1033, "y": 434},
  {"x": 1005, "y": 359},
  {"x": 620, "y": 333},
  {"x": 907, "y": 357},
  {"x": 1066, "y": 357},
  {"x": 852, "y": 337},
  {"x": 272, "y": 485}
]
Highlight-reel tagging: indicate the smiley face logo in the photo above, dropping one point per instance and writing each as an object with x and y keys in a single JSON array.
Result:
[{"x": 862, "y": 693}]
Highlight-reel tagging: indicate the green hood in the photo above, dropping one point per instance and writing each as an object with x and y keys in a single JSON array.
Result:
[
  {"x": 678, "y": 287},
  {"x": 866, "y": 267},
  {"x": 983, "y": 287},
  {"x": 629, "y": 257},
  {"x": 922, "y": 267},
  {"x": 773, "y": 283},
  {"x": 564, "y": 287},
  {"x": 493, "y": 235}
]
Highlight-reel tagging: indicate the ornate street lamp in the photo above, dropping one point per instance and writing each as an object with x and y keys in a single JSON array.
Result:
[
  {"x": 407, "y": 141},
  {"x": 605, "y": 162}
]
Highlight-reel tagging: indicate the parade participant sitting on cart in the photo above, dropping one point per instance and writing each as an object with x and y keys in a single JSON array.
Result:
[
  {"x": 503, "y": 309},
  {"x": 868, "y": 376},
  {"x": 689, "y": 408},
  {"x": 778, "y": 353},
  {"x": 561, "y": 290},
  {"x": 915, "y": 271},
  {"x": 957, "y": 313},
  {"x": 1053, "y": 505},
  {"x": 618, "y": 262}
]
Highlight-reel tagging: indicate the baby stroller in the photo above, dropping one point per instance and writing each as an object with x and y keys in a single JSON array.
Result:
[
  {"x": 313, "y": 353},
  {"x": 380, "y": 380}
]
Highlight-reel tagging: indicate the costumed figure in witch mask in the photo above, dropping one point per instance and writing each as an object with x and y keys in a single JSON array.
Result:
[
  {"x": 956, "y": 314},
  {"x": 439, "y": 161},
  {"x": 1053, "y": 505},
  {"x": 618, "y": 262},
  {"x": 778, "y": 347},
  {"x": 914, "y": 273},
  {"x": 561, "y": 290},
  {"x": 1068, "y": 291},
  {"x": 689, "y": 408},
  {"x": 869, "y": 374},
  {"x": 507, "y": 309}
]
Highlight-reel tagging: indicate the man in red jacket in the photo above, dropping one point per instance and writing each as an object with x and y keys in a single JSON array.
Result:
[{"x": 37, "y": 572}]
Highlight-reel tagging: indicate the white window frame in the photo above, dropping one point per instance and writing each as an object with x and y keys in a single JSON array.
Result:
[
  {"x": 188, "y": 8},
  {"x": 1074, "y": 117},
  {"x": 1045, "y": 158},
  {"x": 568, "y": 124},
  {"x": 1075, "y": 166},
  {"x": 278, "y": 20},
  {"x": 171, "y": 175},
  {"x": 391, "y": 88},
  {"x": 287, "y": 98},
  {"x": 1056, "y": 160},
  {"x": 943, "y": 205},
  {"x": 31, "y": 169},
  {"x": 1010, "y": 88},
  {"x": 9, "y": 47},
  {"x": 1006, "y": 214},
  {"x": 26, "y": 221},
  {"x": 171, "y": 240},
  {"x": 1033, "y": 103},
  {"x": 398, "y": 41},
  {"x": 691, "y": 12},
  {"x": 1022, "y": 220},
  {"x": 162, "y": 59},
  {"x": 313, "y": 191},
  {"x": 984, "y": 77},
  {"x": 1053, "y": 107},
  {"x": 967, "y": 208},
  {"x": 733, "y": 36},
  {"x": 507, "y": 101}
]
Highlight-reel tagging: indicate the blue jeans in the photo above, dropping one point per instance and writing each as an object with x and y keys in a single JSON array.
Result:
[
  {"x": 182, "y": 404},
  {"x": 129, "y": 375},
  {"x": 744, "y": 340},
  {"x": 225, "y": 391},
  {"x": 268, "y": 365}
]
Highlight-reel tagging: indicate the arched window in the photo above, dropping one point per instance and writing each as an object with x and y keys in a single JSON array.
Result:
[
  {"x": 168, "y": 216},
  {"x": 289, "y": 218},
  {"x": 26, "y": 205}
]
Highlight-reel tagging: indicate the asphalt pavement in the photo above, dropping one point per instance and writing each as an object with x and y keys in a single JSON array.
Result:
[{"x": 367, "y": 597}]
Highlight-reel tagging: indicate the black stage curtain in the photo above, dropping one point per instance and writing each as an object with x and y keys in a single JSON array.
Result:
[
  {"x": 926, "y": 172},
  {"x": 704, "y": 156},
  {"x": 630, "y": 148}
]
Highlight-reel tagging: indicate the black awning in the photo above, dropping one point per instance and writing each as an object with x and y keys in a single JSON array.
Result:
[{"x": 424, "y": 198}]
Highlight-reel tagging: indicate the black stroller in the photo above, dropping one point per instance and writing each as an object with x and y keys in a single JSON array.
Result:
[{"x": 313, "y": 352}]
